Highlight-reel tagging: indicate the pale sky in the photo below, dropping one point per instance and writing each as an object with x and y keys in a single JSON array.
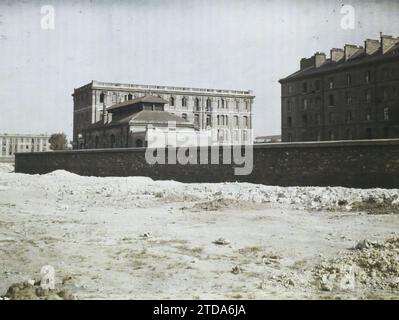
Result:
[{"x": 228, "y": 44}]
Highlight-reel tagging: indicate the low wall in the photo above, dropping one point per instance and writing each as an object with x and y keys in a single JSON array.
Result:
[{"x": 361, "y": 164}]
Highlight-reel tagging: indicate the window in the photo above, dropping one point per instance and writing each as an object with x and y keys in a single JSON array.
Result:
[
  {"x": 196, "y": 120},
  {"x": 331, "y": 101},
  {"x": 196, "y": 104},
  {"x": 348, "y": 98},
  {"x": 172, "y": 101},
  {"x": 114, "y": 98},
  {"x": 386, "y": 114},
  {"x": 348, "y": 116},
  {"x": 305, "y": 104},
  {"x": 112, "y": 141},
  {"x": 386, "y": 133},
  {"x": 208, "y": 120},
  {"x": 385, "y": 93},
  {"x": 208, "y": 104},
  {"x": 367, "y": 76},
  {"x": 289, "y": 137},
  {"x": 331, "y": 117},
  {"x": 305, "y": 87},
  {"x": 222, "y": 103},
  {"x": 349, "y": 134},
  {"x": 289, "y": 122},
  {"x": 226, "y": 118},
  {"x": 184, "y": 116},
  {"x": 305, "y": 120},
  {"x": 184, "y": 102},
  {"x": 368, "y": 96},
  {"x": 290, "y": 89},
  {"x": 218, "y": 120},
  {"x": 369, "y": 133},
  {"x": 348, "y": 79},
  {"x": 236, "y": 121},
  {"x": 331, "y": 83},
  {"x": 246, "y": 122},
  {"x": 317, "y": 118},
  {"x": 245, "y": 136},
  {"x": 102, "y": 98},
  {"x": 331, "y": 135},
  {"x": 318, "y": 136},
  {"x": 368, "y": 114},
  {"x": 289, "y": 106},
  {"x": 129, "y": 97},
  {"x": 317, "y": 84}
]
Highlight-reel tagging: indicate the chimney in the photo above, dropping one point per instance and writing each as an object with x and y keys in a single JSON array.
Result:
[
  {"x": 387, "y": 42},
  {"x": 315, "y": 61},
  {"x": 350, "y": 50},
  {"x": 336, "y": 54},
  {"x": 371, "y": 46}
]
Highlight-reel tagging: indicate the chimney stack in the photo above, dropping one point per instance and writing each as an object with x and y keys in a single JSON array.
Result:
[
  {"x": 336, "y": 54},
  {"x": 371, "y": 46},
  {"x": 387, "y": 42},
  {"x": 316, "y": 61},
  {"x": 350, "y": 50}
]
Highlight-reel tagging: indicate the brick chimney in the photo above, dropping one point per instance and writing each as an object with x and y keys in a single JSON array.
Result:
[
  {"x": 350, "y": 50},
  {"x": 371, "y": 46},
  {"x": 336, "y": 54},
  {"x": 315, "y": 61},
  {"x": 387, "y": 42}
]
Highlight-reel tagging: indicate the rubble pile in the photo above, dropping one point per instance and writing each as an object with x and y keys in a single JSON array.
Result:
[{"x": 369, "y": 265}]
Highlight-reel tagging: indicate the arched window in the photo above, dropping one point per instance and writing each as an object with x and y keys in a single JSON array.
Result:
[
  {"x": 139, "y": 143},
  {"x": 223, "y": 104},
  {"x": 129, "y": 97},
  {"x": 196, "y": 104},
  {"x": 114, "y": 98},
  {"x": 102, "y": 95},
  {"x": 172, "y": 101},
  {"x": 208, "y": 104},
  {"x": 218, "y": 117},
  {"x": 184, "y": 102}
]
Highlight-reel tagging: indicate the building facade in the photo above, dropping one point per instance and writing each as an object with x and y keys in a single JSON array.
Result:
[
  {"x": 137, "y": 123},
  {"x": 226, "y": 113},
  {"x": 353, "y": 94},
  {"x": 13, "y": 143}
]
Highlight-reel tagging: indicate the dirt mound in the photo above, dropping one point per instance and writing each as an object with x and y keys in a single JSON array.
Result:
[
  {"x": 373, "y": 268},
  {"x": 29, "y": 291},
  {"x": 372, "y": 205}
]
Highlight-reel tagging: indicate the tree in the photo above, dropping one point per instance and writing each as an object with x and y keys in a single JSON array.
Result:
[{"x": 58, "y": 141}]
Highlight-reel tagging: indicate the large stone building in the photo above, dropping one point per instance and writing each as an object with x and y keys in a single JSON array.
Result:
[
  {"x": 140, "y": 122},
  {"x": 13, "y": 143},
  {"x": 353, "y": 94},
  {"x": 227, "y": 113}
]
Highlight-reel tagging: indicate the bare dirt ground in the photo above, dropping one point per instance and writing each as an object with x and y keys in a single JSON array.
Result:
[{"x": 135, "y": 238}]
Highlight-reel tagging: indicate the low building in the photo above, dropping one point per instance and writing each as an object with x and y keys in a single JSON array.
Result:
[
  {"x": 141, "y": 122},
  {"x": 268, "y": 139},
  {"x": 13, "y": 143}
]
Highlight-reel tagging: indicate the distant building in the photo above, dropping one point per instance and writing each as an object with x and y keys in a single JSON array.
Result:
[
  {"x": 227, "y": 114},
  {"x": 13, "y": 143},
  {"x": 352, "y": 95},
  {"x": 141, "y": 122},
  {"x": 268, "y": 139}
]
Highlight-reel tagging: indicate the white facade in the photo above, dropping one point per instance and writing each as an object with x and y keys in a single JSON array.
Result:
[
  {"x": 226, "y": 113},
  {"x": 15, "y": 143}
]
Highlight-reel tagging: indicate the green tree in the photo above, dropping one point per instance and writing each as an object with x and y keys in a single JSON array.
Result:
[{"x": 58, "y": 141}]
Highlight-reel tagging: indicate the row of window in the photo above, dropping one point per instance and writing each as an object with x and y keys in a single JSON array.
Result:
[
  {"x": 223, "y": 120},
  {"x": 386, "y": 73},
  {"x": 348, "y": 99},
  {"x": 332, "y": 117}
]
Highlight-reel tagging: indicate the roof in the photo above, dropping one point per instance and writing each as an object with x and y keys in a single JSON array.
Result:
[
  {"x": 145, "y": 117},
  {"x": 146, "y": 98},
  {"x": 357, "y": 59}
]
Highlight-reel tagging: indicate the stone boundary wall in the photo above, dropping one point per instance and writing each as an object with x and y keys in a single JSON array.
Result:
[{"x": 360, "y": 164}]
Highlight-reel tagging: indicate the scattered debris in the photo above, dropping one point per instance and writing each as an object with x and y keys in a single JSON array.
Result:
[
  {"x": 221, "y": 242},
  {"x": 236, "y": 269}
]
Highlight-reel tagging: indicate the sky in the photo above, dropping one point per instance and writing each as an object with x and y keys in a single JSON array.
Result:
[{"x": 228, "y": 44}]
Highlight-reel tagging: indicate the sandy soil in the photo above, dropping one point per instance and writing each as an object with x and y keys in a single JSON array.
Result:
[{"x": 135, "y": 238}]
